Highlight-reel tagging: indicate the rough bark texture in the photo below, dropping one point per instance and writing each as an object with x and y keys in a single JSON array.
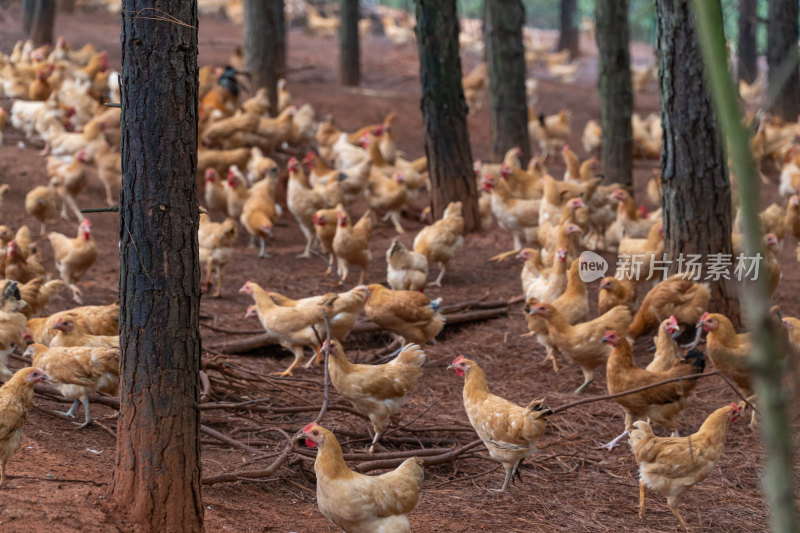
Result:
[
  {"x": 569, "y": 37},
  {"x": 505, "y": 52},
  {"x": 695, "y": 186},
  {"x": 260, "y": 53},
  {"x": 784, "y": 79},
  {"x": 444, "y": 111},
  {"x": 747, "y": 62},
  {"x": 157, "y": 474},
  {"x": 280, "y": 38},
  {"x": 38, "y": 19},
  {"x": 616, "y": 92},
  {"x": 349, "y": 53}
]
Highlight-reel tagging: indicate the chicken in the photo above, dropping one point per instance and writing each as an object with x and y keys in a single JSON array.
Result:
[
  {"x": 325, "y": 224},
  {"x": 20, "y": 267},
  {"x": 12, "y": 324},
  {"x": 666, "y": 348},
  {"x": 223, "y": 97},
  {"x": 551, "y": 132},
  {"x": 358, "y": 503},
  {"x": 673, "y": 465},
  {"x": 440, "y": 241},
  {"x": 615, "y": 291},
  {"x": 91, "y": 319},
  {"x": 214, "y": 192},
  {"x": 216, "y": 240},
  {"x": 409, "y": 314},
  {"x": 16, "y": 399},
  {"x": 68, "y": 334},
  {"x": 303, "y": 202},
  {"x": 684, "y": 299},
  {"x": 73, "y": 257},
  {"x": 68, "y": 178},
  {"x": 659, "y": 404},
  {"x": 260, "y": 211},
  {"x": 592, "y": 138},
  {"x": 629, "y": 223},
  {"x": 544, "y": 285},
  {"x": 388, "y": 194},
  {"x": 109, "y": 169},
  {"x": 580, "y": 342},
  {"x": 42, "y": 203},
  {"x": 405, "y": 270},
  {"x": 508, "y": 431},
  {"x": 376, "y": 391},
  {"x": 39, "y": 90},
  {"x": 321, "y": 26},
  {"x": 474, "y": 84},
  {"x": 236, "y": 192},
  {"x": 513, "y": 214},
  {"x": 36, "y": 294},
  {"x": 351, "y": 244}
]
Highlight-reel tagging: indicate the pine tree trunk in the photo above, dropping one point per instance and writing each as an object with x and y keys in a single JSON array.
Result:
[
  {"x": 695, "y": 187},
  {"x": 784, "y": 79},
  {"x": 39, "y": 22},
  {"x": 747, "y": 63},
  {"x": 569, "y": 37},
  {"x": 259, "y": 48},
  {"x": 349, "y": 68},
  {"x": 444, "y": 111},
  {"x": 616, "y": 92},
  {"x": 280, "y": 38},
  {"x": 505, "y": 52},
  {"x": 157, "y": 474}
]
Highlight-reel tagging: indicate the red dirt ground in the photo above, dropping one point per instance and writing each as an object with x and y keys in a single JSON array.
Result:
[{"x": 60, "y": 477}]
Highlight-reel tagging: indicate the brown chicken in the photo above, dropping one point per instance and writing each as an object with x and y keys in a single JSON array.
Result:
[
  {"x": 16, "y": 399},
  {"x": 42, "y": 203},
  {"x": 73, "y": 257},
  {"x": 408, "y": 314},
  {"x": 36, "y": 294},
  {"x": 351, "y": 244},
  {"x": 508, "y": 431},
  {"x": 358, "y": 503},
  {"x": 684, "y": 299},
  {"x": 91, "y": 319},
  {"x": 303, "y": 202},
  {"x": 21, "y": 267},
  {"x": 78, "y": 372},
  {"x": 581, "y": 342},
  {"x": 325, "y": 224},
  {"x": 666, "y": 348},
  {"x": 67, "y": 334},
  {"x": 515, "y": 215},
  {"x": 388, "y": 194},
  {"x": 614, "y": 292},
  {"x": 216, "y": 241},
  {"x": 260, "y": 212},
  {"x": 68, "y": 179},
  {"x": 673, "y": 465},
  {"x": 12, "y": 325},
  {"x": 659, "y": 404},
  {"x": 405, "y": 270},
  {"x": 440, "y": 241},
  {"x": 376, "y": 391}
]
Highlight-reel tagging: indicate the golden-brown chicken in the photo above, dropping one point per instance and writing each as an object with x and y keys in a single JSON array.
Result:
[
  {"x": 68, "y": 178},
  {"x": 409, "y": 314},
  {"x": 73, "y": 257},
  {"x": 260, "y": 211},
  {"x": 515, "y": 215},
  {"x": 36, "y": 294},
  {"x": 615, "y": 291},
  {"x": 474, "y": 83},
  {"x": 21, "y": 267},
  {"x": 303, "y": 202},
  {"x": 666, "y": 348},
  {"x": 405, "y": 270},
  {"x": 66, "y": 333},
  {"x": 544, "y": 285},
  {"x": 325, "y": 224},
  {"x": 351, "y": 244},
  {"x": 92, "y": 319},
  {"x": 388, "y": 194},
  {"x": 42, "y": 203},
  {"x": 214, "y": 191},
  {"x": 358, "y": 503},
  {"x": 216, "y": 240},
  {"x": 673, "y": 465},
  {"x": 12, "y": 325},
  {"x": 376, "y": 391},
  {"x": 728, "y": 350},
  {"x": 109, "y": 169},
  {"x": 581, "y": 342},
  {"x": 439, "y": 241},
  {"x": 78, "y": 372},
  {"x": 16, "y": 399},
  {"x": 508, "y": 431},
  {"x": 592, "y": 138},
  {"x": 39, "y": 90},
  {"x": 684, "y": 299},
  {"x": 659, "y": 404},
  {"x": 551, "y": 132},
  {"x": 236, "y": 192}
]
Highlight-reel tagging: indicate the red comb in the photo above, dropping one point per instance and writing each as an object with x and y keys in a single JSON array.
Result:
[
  {"x": 735, "y": 407},
  {"x": 308, "y": 427},
  {"x": 458, "y": 359},
  {"x": 704, "y": 317}
]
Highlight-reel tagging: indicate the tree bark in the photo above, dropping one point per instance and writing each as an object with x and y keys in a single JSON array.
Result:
[
  {"x": 747, "y": 62},
  {"x": 695, "y": 187},
  {"x": 616, "y": 92},
  {"x": 444, "y": 111},
  {"x": 784, "y": 79},
  {"x": 157, "y": 474},
  {"x": 260, "y": 54},
  {"x": 280, "y": 38},
  {"x": 38, "y": 19},
  {"x": 505, "y": 52},
  {"x": 569, "y": 38},
  {"x": 349, "y": 53}
]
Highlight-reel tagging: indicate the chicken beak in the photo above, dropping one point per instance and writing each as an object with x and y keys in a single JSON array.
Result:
[{"x": 676, "y": 333}]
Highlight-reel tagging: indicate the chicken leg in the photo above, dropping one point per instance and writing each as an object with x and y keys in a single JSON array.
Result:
[
  {"x": 261, "y": 253},
  {"x": 218, "y": 293},
  {"x": 438, "y": 282},
  {"x": 615, "y": 441},
  {"x": 298, "y": 356},
  {"x": 309, "y": 241},
  {"x": 76, "y": 293},
  {"x": 673, "y": 506},
  {"x": 509, "y": 473},
  {"x": 642, "y": 492},
  {"x": 71, "y": 412},
  {"x": 88, "y": 419},
  {"x": 588, "y": 377}
]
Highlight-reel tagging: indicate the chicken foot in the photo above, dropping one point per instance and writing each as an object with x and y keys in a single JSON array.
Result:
[
  {"x": 509, "y": 474},
  {"x": 71, "y": 412},
  {"x": 611, "y": 445},
  {"x": 76, "y": 293},
  {"x": 298, "y": 356},
  {"x": 261, "y": 253},
  {"x": 588, "y": 377},
  {"x": 69, "y": 200},
  {"x": 438, "y": 281},
  {"x": 394, "y": 216},
  {"x": 674, "y": 509},
  {"x": 309, "y": 241}
]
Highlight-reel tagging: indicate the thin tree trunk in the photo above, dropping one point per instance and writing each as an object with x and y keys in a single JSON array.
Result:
[
  {"x": 444, "y": 111},
  {"x": 28, "y": 12},
  {"x": 616, "y": 92},
  {"x": 569, "y": 37},
  {"x": 784, "y": 79},
  {"x": 157, "y": 474},
  {"x": 42, "y": 21},
  {"x": 747, "y": 63},
  {"x": 280, "y": 38},
  {"x": 695, "y": 187},
  {"x": 349, "y": 53},
  {"x": 260, "y": 52},
  {"x": 505, "y": 52}
]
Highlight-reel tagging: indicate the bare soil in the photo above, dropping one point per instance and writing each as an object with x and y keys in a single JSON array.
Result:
[{"x": 60, "y": 478}]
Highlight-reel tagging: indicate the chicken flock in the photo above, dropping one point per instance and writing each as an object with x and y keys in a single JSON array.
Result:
[{"x": 342, "y": 186}]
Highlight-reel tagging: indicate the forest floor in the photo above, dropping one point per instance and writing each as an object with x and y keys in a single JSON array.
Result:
[{"x": 60, "y": 478}]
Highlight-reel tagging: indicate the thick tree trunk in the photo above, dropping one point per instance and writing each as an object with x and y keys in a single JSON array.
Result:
[
  {"x": 260, "y": 52},
  {"x": 569, "y": 37},
  {"x": 280, "y": 38},
  {"x": 349, "y": 53},
  {"x": 695, "y": 187},
  {"x": 444, "y": 111},
  {"x": 505, "y": 52},
  {"x": 747, "y": 63},
  {"x": 784, "y": 79},
  {"x": 38, "y": 19},
  {"x": 616, "y": 92},
  {"x": 157, "y": 474}
]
